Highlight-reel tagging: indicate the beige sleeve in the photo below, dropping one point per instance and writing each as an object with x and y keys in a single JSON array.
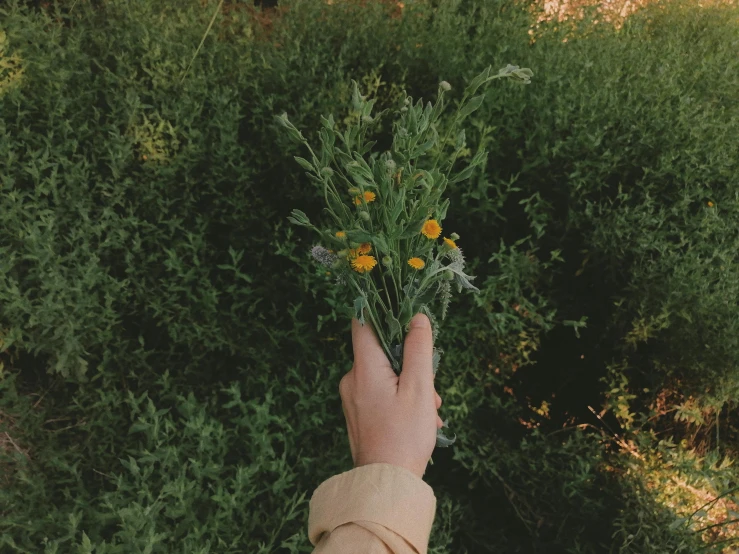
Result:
[{"x": 373, "y": 509}]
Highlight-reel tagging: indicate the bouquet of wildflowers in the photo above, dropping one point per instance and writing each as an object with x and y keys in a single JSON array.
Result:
[{"x": 384, "y": 237}]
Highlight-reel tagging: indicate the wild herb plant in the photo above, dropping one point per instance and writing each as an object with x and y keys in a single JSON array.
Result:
[{"x": 384, "y": 237}]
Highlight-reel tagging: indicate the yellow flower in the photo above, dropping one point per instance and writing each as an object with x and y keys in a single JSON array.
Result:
[
  {"x": 450, "y": 243},
  {"x": 363, "y": 264},
  {"x": 416, "y": 263},
  {"x": 710, "y": 204},
  {"x": 364, "y": 248},
  {"x": 369, "y": 196},
  {"x": 340, "y": 234},
  {"x": 431, "y": 229}
]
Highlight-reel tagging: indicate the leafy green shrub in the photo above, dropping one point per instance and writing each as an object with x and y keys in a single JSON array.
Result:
[{"x": 171, "y": 357}]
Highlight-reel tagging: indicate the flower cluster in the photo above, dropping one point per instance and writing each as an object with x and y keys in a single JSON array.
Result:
[
  {"x": 323, "y": 256},
  {"x": 389, "y": 206}
]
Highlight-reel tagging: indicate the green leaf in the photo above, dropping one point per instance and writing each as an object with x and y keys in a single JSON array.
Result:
[
  {"x": 236, "y": 255},
  {"x": 367, "y": 108},
  {"x": 305, "y": 164},
  {"x": 411, "y": 231},
  {"x": 298, "y": 217},
  {"x": 576, "y": 325},
  {"x": 461, "y": 140},
  {"x": 395, "y": 213},
  {"x": 380, "y": 243},
  {"x": 361, "y": 173},
  {"x": 86, "y": 546},
  {"x": 393, "y": 326},
  {"x": 442, "y": 440},
  {"x": 367, "y": 147},
  {"x": 360, "y": 304},
  {"x": 422, "y": 149},
  {"x": 478, "y": 81},
  {"x": 462, "y": 175},
  {"x": 436, "y": 359},
  {"x": 357, "y": 98},
  {"x": 479, "y": 158},
  {"x": 328, "y": 122},
  {"x": 443, "y": 209},
  {"x": 471, "y": 106},
  {"x": 462, "y": 279},
  {"x": 517, "y": 74},
  {"x": 359, "y": 235},
  {"x": 138, "y": 427}
]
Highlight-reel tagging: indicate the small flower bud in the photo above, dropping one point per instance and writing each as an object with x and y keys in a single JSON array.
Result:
[
  {"x": 354, "y": 191},
  {"x": 367, "y": 119},
  {"x": 327, "y": 171},
  {"x": 448, "y": 274},
  {"x": 364, "y": 216},
  {"x": 454, "y": 236},
  {"x": 390, "y": 164},
  {"x": 445, "y": 86},
  {"x": 387, "y": 261}
]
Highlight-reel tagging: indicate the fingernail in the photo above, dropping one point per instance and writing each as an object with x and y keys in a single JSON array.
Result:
[{"x": 419, "y": 321}]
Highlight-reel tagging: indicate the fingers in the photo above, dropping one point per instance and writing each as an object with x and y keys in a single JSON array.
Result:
[
  {"x": 438, "y": 400},
  {"x": 439, "y": 423},
  {"x": 368, "y": 352},
  {"x": 345, "y": 393},
  {"x": 417, "y": 374}
]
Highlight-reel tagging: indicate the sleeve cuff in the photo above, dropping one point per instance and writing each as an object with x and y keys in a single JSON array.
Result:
[{"x": 385, "y": 494}]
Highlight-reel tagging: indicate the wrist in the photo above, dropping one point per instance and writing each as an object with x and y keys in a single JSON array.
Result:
[{"x": 418, "y": 469}]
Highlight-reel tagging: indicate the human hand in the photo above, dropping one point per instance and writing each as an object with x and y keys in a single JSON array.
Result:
[{"x": 391, "y": 419}]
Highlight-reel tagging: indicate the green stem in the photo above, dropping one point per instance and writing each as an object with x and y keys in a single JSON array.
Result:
[
  {"x": 378, "y": 329},
  {"x": 387, "y": 293},
  {"x": 711, "y": 502},
  {"x": 329, "y": 186},
  {"x": 397, "y": 291},
  {"x": 451, "y": 165},
  {"x": 202, "y": 41},
  {"x": 381, "y": 336},
  {"x": 456, "y": 119},
  {"x": 453, "y": 126},
  {"x": 717, "y": 525},
  {"x": 379, "y": 298}
]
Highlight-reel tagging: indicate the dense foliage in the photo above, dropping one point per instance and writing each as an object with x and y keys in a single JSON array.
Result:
[{"x": 171, "y": 355}]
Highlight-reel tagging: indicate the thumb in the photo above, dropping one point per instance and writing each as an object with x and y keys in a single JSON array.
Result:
[{"x": 417, "y": 374}]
